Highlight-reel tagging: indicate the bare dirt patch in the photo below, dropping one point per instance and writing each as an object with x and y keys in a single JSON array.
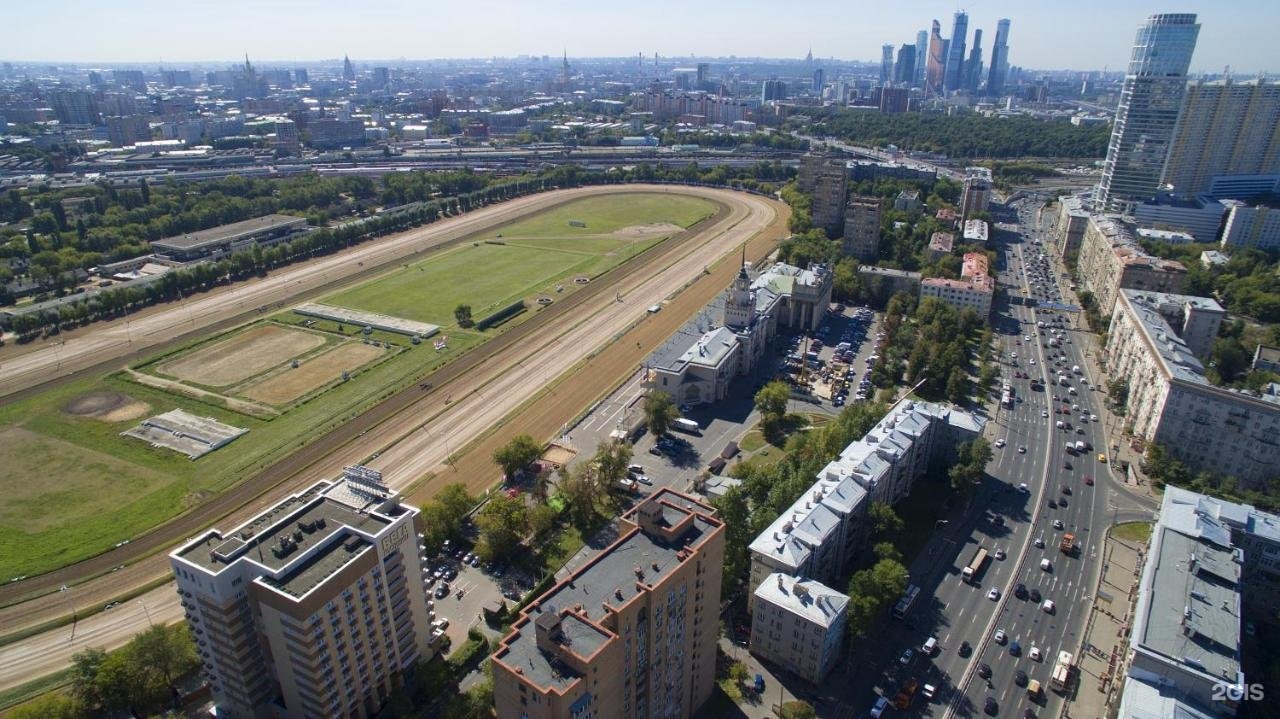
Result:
[
  {"x": 290, "y": 384},
  {"x": 241, "y": 356},
  {"x": 106, "y": 406},
  {"x": 653, "y": 229},
  {"x": 558, "y": 454}
]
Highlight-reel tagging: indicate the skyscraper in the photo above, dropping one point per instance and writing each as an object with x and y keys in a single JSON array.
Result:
[
  {"x": 819, "y": 79},
  {"x": 1147, "y": 115},
  {"x": 904, "y": 70},
  {"x": 999, "y": 60},
  {"x": 922, "y": 50},
  {"x": 973, "y": 68},
  {"x": 955, "y": 53},
  {"x": 773, "y": 90},
  {"x": 886, "y": 64},
  {"x": 936, "y": 68},
  {"x": 1226, "y": 128},
  {"x": 348, "y": 70}
]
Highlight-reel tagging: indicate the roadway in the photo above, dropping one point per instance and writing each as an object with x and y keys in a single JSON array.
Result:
[{"x": 428, "y": 430}]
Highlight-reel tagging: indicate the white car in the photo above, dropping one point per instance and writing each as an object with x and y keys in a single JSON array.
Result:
[
  {"x": 1022, "y": 449},
  {"x": 1033, "y": 360},
  {"x": 1044, "y": 413},
  {"x": 1057, "y": 524},
  {"x": 994, "y": 594},
  {"x": 1047, "y": 606},
  {"x": 1000, "y": 442},
  {"x": 1024, "y": 488},
  {"x": 1000, "y": 636},
  {"x": 1000, "y": 555},
  {"x": 1034, "y": 654}
]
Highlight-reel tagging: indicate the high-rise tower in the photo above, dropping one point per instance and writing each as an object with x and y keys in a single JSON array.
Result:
[
  {"x": 904, "y": 70},
  {"x": 955, "y": 56},
  {"x": 1150, "y": 103},
  {"x": 348, "y": 70},
  {"x": 936, "y": 63},
  {"x": 999, "y": 59},
  {"x": 922, "y": 50},
  {"x": 973, "y": 68},
  {"x": 886, "y": 64}
]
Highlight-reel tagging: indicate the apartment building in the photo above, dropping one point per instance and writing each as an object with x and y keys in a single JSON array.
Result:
[
  {"x": 976, "y": 195},
  {"x": 1256, "y": 226},
  {"x": 313, "y": 608},
  {"x": 1221, "y": 431},
  {"x": 823, "y": 529},
  {"x": 631, "y": 634},
  {"x": 798, "y": 625},
  {"x": 1070, "y": 226},
  {"x": 976, "y": 231},
  {"x": 1225, "y": 128},
  {"x": 940, "y": 245},
  {"x": 862, "y": 228},
  {"x": 1111, "y": 260},
  {"x": 829, "y": 190},
  {"x": 974, "y": 290}
]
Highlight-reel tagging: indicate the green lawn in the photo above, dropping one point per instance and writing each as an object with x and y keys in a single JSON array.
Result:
[
  {"x": 1132, "y": 531},
  {"x": 752, "y": 441},
  {"x": 607, "y": 214}
]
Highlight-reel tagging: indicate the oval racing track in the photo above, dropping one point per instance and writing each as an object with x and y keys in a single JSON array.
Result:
[{"x": 414, "y": 431}]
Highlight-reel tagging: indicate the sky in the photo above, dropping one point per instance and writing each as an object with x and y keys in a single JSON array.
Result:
[{"x": 1045, "y": 34}]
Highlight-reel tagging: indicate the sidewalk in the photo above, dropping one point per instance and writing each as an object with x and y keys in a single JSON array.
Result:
[{"x": 1100, "y": 660}]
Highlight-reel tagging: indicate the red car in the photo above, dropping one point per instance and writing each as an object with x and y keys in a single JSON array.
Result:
[{"x": 1089, "y": 481}]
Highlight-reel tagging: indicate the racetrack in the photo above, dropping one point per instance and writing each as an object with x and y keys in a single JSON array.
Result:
[{"x": 591, "y": 336}]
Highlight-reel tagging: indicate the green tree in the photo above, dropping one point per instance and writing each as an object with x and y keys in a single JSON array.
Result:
[
  {"x": 871, "y": 591},
  {"x": 542, "y": 517},
  {"x": 166, "y": 650},
  {"x": 503, "y": 522},
  {"x": 611, "y": 462},
  {"x": 772, "y": 399},
  {"x": 885, "y": 522},
  {"x": 886, "y": 550},
  {"x": 797, "y": 709},
  {"x": 516, "y": 455},
  {"x": 734, "y": 510},
  {"x": 462, "y": 313},
  {"x": 84, "y": 676},
  {"x": 49, "y": 706},
  {"x": 971, "y": 465},
  {"x": 581, "y": 491},
  {"x": 659, "y": 412}
]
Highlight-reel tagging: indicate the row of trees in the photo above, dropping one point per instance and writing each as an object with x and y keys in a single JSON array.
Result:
[
  {"x": 1161, "y": 466},
  {"x": 928, "y": 341}
]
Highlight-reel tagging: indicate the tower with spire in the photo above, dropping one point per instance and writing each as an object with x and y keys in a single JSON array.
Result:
[
  {"x": 564, "y": 70},
  {"x": 348, "y": 70},
  {"x": 739, "y": 301}
]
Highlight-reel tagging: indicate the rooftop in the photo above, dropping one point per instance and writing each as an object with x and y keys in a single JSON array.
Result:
[
  {"x": 942, "y": 242},
  {"x": 1143, "y": 700},
  {"x": 814, "y": 601},
  {"x": 229, "y": 233},
  {"x": 975, "y": 230}
]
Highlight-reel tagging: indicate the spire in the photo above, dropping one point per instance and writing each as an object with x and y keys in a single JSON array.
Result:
[{"x": 743, "y": 272}]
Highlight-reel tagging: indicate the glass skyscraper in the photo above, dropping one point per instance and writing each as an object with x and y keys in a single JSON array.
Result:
[
  {"x": 1150, "y": 102},
  {"x": 999, "y": 60},
  {"x": 955, "y": 53}
]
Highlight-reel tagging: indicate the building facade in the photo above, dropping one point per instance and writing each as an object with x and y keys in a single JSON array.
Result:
[
  {"x": 798, "y": 625},
  {"x": 1111, "y": 260},
  {"x": 830, "y": 187},
  {"x": 632, "y": 634},
  {"x": 999, "y": 70},
  {"x": 224, "y": 240},
  {"x": 862, "y": 228},
  {"x": 974, "y": 290},
  {"x": 976, "y": 196},
  {"x": 1224, "y": 432},
  {"x": 1150, "y": 102},
  {"x": 313, "y": 608},
  {"x": 1071, "y": 224},
  {"x": 1226, "y": 128},
  {"x": 1256, "y": 226}
]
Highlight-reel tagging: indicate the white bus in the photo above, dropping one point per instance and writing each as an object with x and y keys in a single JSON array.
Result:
[{"x": 687, "y": 426}]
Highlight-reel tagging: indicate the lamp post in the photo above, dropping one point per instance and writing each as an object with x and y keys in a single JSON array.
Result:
[{"x": 65, "y": 591}]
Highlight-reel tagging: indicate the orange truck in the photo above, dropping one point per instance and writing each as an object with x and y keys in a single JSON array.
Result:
[
  {"x": 1068, "y": 545},
  {"x": 908, "y": 692}
]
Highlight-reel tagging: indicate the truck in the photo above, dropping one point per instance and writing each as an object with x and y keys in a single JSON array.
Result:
[
  {"x": 1061, "y": 677},
  {"x": 1068, "y": 543},
  {"x": 906, "y": 694},
  {"x": 975, "y": 565},
  {"x": 688, "y": 426},
  {"x": 1080, "y": 446}
]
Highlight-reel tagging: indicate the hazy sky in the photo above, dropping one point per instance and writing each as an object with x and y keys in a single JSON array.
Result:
[{"x": 1045, "y": 34}]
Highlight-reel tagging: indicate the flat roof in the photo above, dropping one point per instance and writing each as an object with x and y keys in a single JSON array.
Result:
[
  {"x": 228, "y": 233},
  {"x": 309, "y": 573}
]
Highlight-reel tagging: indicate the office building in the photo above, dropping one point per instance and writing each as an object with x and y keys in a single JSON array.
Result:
[
  {"x": 1225, "y": 432},
  {"x": 798, "y": 625},
  {"x": 313, "y": 608},
  {"x": 1168, "y": 237},
  {"x": 348, "y": 70},
  {"x": 331, "y": 133},
  {"x": 1146, "y": 118},
  {"x": 821, "y": 532},
  {"x": 861, "y": 237},
  {"x": 1207, "y": 558},
  {"x": 976, "y": 197},
  {"x": 1110, "y": 260},
  {"x": 973, "y": 68},
  {"x": 829, "y": 190},
  {"x": 973, "y": 291},
  {"x": 904, "y": 70},
  {"x": 1200, "y": 216},
  {"x": 819, "y": 80},
  {"x": 1243, "y": 187},
  {"x": 224, "y": 240},
  {"x": 125, "y": 131},
  {"x": 1226, "y": 128},
  {"x": 936, "y": 63},
  {"x": 955, "y": 51},
  {"x": 772, "y": 91},
  {"x": 886, "y": 64},
  {"x": 922, "y": 56},
  {"x": 286, "y": 138},
  {"x": 381, "y": 77},
  {"x": 300, "y": 75},
  {"x": 893, "y": 100},
  {"x": 632, "y": 633},
  {"x": 1255, "y": 226},
  {"x": 999, "y": 69}
]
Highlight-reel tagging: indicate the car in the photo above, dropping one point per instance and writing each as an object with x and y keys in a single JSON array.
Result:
[
  {"x": 1000, "y": 636},
  {"x": 879, "y": 708},
  {"x": 1000, "y": 554},
  {"x": 1066, "y": 465},
  {"x": 1015, "y": 649},
  {"x": 999, "y": 520},
  {"x": 1053, "y": 504},
  {"x": 1048, "y": 606},
  {"x": 475, "y": 560},
  {"x": 1000, "y": 442},
  {"x": 994, "y": 594},
  {"x": 965, "y": 649},
  {"x": 1102, "y": 458},
  {"x": 1035, "y": 654},
  {"x": 1088, "y": 481},
  {"x": 1020, "y": 678},
  {"x": 656, "y": 451},
  {"x": 429, "y": 582},
  {"x": 990, "y": 707},
  {"x": 1062, "y": 502},
  {"x": 442, "y": 591},
  {"x": 1023, "y": 488},
  {"x": 1022, "y": 449},
  {"x": 1020, "y": 591},
  {"x": 1033, "y": 360},
  {"x": 906, "y": 657},
  {"x": 984, "y": 671},
  {"x": 1066, "y": 490},
  {"x": 1057, "y": 524},
  {"x": 1044, "y": 413},
  {"x": 929, "y": 691},
  {"x": 1034, "y": 595}
]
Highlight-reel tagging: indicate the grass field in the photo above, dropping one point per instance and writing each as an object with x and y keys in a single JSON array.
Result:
[
  {"x": 539, "y": 253},
  {"x": 73, "y": 487},
  {"x": 1132, "y": 531}
]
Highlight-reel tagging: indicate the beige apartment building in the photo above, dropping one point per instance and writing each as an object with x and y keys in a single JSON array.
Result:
[
  {"x": 829, "y": 190},
  {"x": 862, "y": 228},
  {"x": 632, "y": 634},
  {"x": 974, "y": 290},
  {"x": 1071, "y": 224},
  {"x": 1111, "y": 260},
  {"x": 976, "y": 196},
  {"x": 1227, "y": 433},
  {"x": 313, "y": 608},
  {"x": 798, "y": 625}
]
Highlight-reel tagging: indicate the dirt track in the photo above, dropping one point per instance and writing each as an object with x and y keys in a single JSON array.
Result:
[{"x": 676, "y": 263}]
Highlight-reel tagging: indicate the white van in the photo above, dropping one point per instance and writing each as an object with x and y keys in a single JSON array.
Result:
[
  {"x": 1046, "y": 565},
  {"x": 930, "y": 646}
]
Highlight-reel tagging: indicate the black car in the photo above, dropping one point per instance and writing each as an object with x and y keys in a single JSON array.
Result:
[
  {"x": 1020, "y": 591},
  {"x": 1053, "y": 504},
  {"x": 1035, "y": 595},
  {"x": 984, "y": 671},
  {"x": 1062, "y": 502},
  {"x": 1020, "y": 678},
  {"x": 965, "y": 649},
  {"x": 990, "y": 707}
]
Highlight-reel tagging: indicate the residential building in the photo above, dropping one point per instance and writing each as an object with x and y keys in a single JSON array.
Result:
[
  {"x": 632, "y": 633},
  {"x": 1200, "y": 216},
  {"x": 974, "y": 290},
  {"x": 947, "y": 214},
  {"x": 862, "y": 228},
  {"x": 821, "y": 532},
  {"x": 1226, "y": 128},
  {"x": 907, "y": 201},
  {"x": 1207, "y": 558},
  {"x": 223, "y": 240},
  {"x": 1256, "y": 226},
  {"x": 1073, "y": 218},
  {"x": 811, "y": 164},
  {"x": 976, "y": 196},
  {"x": 286, "y": 136},
  {"x": 1150, "y": 101},
  {"x": 1168, "y": 237},
  {"x": 999, "y": 70},
  {"x": 864, "y": 170},
  {"x": 894, "y": 100},
  {"x": 75, "y": 107},
  {"x": 1210, "y": 259},
  {"x": 1266, "y": 359},
  {"x": 956, "y": 51},
  {"x": 798, "y": 625},
  {"x": 1226, "y": 432},
  {"x": 312, "y": 608},
  {"x": 1111, "y": 260},
  {"x": 940, "y": 245},
  {"x": 829, "y": 190},
  {"x": 332, "y": 133},
  {"x": 976, "y": 231},
  {"x": 886, "y": 281},
  {"x": 772, "y": 91},
  {"x": 125, "y": 131}
]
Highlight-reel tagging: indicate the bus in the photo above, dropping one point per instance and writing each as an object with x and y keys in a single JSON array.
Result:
[
  {"x": 975, "y": 566},
  {"x": 688, "y": 426},
  {"x": 1061, "y": 678},
  {"x": 908, "y": 600}
]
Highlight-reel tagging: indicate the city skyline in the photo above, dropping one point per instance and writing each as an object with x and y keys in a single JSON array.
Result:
[{"x": 1096, "y": 36}]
